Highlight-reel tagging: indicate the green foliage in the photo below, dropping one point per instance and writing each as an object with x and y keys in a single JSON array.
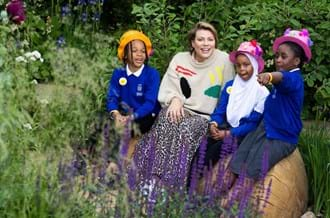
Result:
[
  {"x": 315, "y": 146},
  {"x": 158, "y": 20},
  {"x": 50, "y": 108},
  {"x": 237, "y": 22}
]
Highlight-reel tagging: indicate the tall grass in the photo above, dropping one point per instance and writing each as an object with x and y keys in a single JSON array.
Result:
[{"x": 315, "y": 146}]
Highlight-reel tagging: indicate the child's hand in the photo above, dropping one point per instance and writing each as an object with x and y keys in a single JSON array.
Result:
[
  {"x": 213, "y": 129},
  {"x": 120, "y": 120},
  {"x": 216, "y": 133},
  {"x": 175, "y": 111},
  {"x": 265, "y": 78}
]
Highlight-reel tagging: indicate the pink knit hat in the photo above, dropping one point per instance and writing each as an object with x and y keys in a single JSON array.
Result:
[
  {"x": 299, "y": 37},
  {"x": 252, "y": 48}
]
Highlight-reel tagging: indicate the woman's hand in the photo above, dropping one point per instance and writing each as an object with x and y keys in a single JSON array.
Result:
[{"x": 175, "y": 111}]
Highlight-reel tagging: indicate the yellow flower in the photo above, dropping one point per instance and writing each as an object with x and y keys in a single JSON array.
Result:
[{"x": 122, "y": 81}]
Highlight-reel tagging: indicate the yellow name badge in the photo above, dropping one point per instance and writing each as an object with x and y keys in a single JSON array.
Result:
[
  {"x": 122, "y": 81},
  {"x": 228, "y": 90}
]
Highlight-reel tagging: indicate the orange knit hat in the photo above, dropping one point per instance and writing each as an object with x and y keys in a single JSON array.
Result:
[{"x": 130, "y": 36}]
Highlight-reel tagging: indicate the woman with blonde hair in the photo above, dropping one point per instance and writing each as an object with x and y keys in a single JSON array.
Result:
[{"x": 188, "y": 94}]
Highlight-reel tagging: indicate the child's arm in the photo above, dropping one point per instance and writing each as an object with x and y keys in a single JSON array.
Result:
[
  {"x": 286, "y": 81},
  {"x": 271, "y": 77},
  {"x": 247, "y": 125},
  {"x": 219, "y": 114},
  {"x": 114, "y": 93}
]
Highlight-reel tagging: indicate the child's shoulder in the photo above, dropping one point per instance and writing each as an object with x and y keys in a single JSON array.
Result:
[
  {"x": 229, "y": 83},
  {"x": 120, "y": 70},
  {"x": 295, "y": 74},
  {"x": 151, "y": 71},
  {"x": 227, "y": 87}
]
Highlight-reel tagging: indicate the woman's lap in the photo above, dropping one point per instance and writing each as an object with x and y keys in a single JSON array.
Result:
[{"x": 174, "y": 146}]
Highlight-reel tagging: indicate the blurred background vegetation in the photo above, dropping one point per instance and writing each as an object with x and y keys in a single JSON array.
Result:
[{"x": 50, "y": 107}]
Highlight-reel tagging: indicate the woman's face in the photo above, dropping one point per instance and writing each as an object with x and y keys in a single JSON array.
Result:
[
  {"x": 243, "y": 67},
  {"x": 203, "y": 44}
]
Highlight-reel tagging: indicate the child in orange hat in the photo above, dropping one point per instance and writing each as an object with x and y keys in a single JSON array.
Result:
[{"x": 133, "y": 89}]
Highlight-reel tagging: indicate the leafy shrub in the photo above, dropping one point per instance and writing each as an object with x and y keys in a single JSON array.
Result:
[{"x": 315, "y": 146}]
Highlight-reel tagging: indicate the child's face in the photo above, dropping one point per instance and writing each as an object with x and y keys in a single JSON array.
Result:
[
  {"x": 136, "y": 55},
  {"x": 203, "y": 44},
  {"x": 285, "y": 58},
  {"x": 243, "y": 67}
]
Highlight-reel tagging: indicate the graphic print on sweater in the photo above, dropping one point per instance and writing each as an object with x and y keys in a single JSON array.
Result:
[{"x": 212, "y": 91}]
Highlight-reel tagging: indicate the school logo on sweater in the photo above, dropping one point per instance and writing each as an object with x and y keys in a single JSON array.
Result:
[{"x": 139, "y": 90}]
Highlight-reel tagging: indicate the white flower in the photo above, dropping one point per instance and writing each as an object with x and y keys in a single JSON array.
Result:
[
  {"x": 36, "y": 54},
  {"x": 44, "y": 101},
  {"x": 41, "y": 60},
  {"x": 27, "y": 126},
  {"x": 20, "y": 59},
  {"x": 34, "y": 82},
  {"x": 33, "y": 58},
  {"x": 28, "y": 54}
]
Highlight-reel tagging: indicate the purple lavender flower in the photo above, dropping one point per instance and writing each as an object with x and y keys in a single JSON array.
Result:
[
  {"x": 202, "y": 152},
  {"x": 247, "y": 190},
  {"x": 65, "y": 11},
  {"x": 82, "y": 2},
  {"x": 60, "y": 42},
  {"x": 15, "y": 9},
  {"x": 96, "y": 17},
  {"x": 131, "y": 177},
  {"x": 124, "y": 144},
  {"x": 193, "y": 179},
  {"x": 92, "y": 2},
  {"x": 84, "y": 17},
  {"x": 238, "y": 188},
  {"x": 208, "y": 181},
  {"x": 268, "y": 192}
]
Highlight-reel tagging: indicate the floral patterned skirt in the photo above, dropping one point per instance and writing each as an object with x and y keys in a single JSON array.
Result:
[{"x": 166, "y": 151}]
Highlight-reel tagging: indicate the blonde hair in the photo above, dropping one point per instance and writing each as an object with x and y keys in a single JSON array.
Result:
[{"x": 201, "y": 26}]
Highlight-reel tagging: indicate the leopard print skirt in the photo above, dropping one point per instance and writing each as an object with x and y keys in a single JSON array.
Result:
[{"x": 166, "y": 151}]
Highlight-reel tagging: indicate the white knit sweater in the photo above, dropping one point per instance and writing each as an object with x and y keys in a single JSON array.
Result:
[{"x": 205, "y": 80}]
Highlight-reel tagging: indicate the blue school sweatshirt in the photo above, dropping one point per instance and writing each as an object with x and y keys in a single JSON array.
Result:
[
  {"x": 283, "y": 108},
  {"x": 137, "y": 95},
  {"x": 246, "y": 124}
]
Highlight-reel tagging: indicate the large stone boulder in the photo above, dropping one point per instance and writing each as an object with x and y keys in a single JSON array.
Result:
[
  {"x": 289, "y": 188},
  {"x": 288, "y": 191}
]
